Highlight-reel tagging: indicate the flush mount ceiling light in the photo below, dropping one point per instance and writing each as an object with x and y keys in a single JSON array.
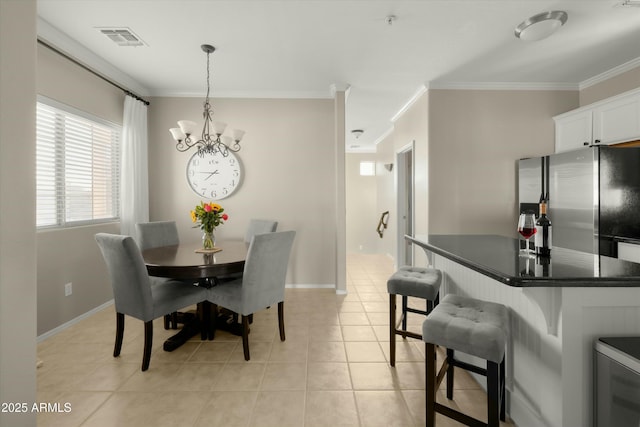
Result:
[
  {"x": 357, "y": 133},
  {"x": 541, "y": 26}
]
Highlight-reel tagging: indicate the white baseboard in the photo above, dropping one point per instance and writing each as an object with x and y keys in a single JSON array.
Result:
[
  {"x": 73, "y": 321},
  {"x": 309, "y": 286}
]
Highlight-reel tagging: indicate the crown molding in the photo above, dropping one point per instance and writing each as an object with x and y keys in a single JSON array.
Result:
[
  {"x": 246, "y": 94},
  {"x": 339, "y": 87},
  {"x": 70, "y": 47},
  {"x": 616, "y": 71},
  {"x": 502, "y": 86},
  {"x": 383, "y": 136},
  {"x": 421, "y": 90}
]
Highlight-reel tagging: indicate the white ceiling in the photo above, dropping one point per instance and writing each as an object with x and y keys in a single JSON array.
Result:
[{"x": 301, "y": 48}]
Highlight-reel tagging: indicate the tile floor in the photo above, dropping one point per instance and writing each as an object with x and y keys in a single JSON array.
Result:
[{"x": 332, "y": 370}]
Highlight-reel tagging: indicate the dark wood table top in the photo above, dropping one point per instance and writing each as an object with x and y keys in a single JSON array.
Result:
[{"x": 182, "y": 262}]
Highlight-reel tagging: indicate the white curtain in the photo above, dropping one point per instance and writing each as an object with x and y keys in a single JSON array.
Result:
[{"x": 134, "y": 180}]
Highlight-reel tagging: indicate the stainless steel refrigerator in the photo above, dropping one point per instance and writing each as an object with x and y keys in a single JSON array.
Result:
[{"x": 593, "y": 196}]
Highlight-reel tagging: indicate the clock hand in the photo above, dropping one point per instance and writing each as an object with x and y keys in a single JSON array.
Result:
[{"x": 210, "y": 173}]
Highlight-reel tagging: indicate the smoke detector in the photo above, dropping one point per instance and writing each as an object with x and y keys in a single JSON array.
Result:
[{"x": 122, "y": 36}]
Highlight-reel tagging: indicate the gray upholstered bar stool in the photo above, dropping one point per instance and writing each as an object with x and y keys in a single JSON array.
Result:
[
  {"x": 475, "y": 327},
  {"x": 408, "y": 281}
]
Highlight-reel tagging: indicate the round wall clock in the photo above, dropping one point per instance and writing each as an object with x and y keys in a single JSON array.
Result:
[{"x": 213, "y": 175}]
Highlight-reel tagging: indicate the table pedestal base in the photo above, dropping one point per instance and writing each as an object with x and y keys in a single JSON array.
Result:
[{"x": 192, "y": 325}]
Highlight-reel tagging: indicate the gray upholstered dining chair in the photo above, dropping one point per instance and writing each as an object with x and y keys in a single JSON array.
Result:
[
  {"x": 260, "y": 226},
  {"x": 139, "y": 295},
  {"x": 262, "y": 283},
  {"x": 154, "y": 235},
  {"x": 157, "y": 233},
  {"x": 256, "y": 226}
]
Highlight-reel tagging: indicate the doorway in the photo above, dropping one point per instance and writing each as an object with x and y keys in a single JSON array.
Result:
[{"x": 405, "y": 200}]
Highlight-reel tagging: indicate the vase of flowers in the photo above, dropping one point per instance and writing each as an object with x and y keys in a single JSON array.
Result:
[{"x": 208, "y": 216}]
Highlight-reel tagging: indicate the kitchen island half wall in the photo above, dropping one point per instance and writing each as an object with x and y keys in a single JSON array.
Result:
[{"x": 559, "y": 307}]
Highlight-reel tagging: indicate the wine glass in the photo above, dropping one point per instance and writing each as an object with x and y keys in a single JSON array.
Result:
[{"x": 527, "y": 228}]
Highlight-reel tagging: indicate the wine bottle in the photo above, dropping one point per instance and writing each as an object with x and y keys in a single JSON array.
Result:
[{"x": 542, "y": 239}]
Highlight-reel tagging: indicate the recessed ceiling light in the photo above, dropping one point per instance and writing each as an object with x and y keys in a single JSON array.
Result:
[{"x": 541, "y": 26}]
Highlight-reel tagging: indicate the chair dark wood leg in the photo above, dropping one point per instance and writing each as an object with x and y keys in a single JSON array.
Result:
[
  {"x": 119, "y": 334},
  {"x": 251, "y": 318},
  {"x": 430, "y": 381},
  {"x": 450, "y": 371},
  {"x": 493, "y": 398},
  {"x": 245, "y": 336},
  {"x": 167, "y": 321},
  {"x": 392, "y": 329},
  {"x": 281, "y": 320},
  {"x": 503, "y": 414},
  {"x": 148, "y": 342},
  {"x": 404, "y": 314}
]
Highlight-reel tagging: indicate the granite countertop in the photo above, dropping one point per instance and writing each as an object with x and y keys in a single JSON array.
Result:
[{"x": 500, "y": 258}]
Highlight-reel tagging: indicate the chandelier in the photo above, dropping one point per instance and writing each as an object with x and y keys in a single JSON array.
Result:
[{"x": 208, "y": 143}]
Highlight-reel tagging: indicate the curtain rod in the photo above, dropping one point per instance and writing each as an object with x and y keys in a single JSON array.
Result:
[{"x": 80, "y": 64}]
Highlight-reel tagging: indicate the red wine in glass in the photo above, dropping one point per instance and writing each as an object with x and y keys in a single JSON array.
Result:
[
  {"x": 527, "y": 232},
  {"x": 527, "y": 228}
]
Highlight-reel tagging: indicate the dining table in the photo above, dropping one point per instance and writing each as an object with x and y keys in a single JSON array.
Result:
[{"x": 190, "y": 263}]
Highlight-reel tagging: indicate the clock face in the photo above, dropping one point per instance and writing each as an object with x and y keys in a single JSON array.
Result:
[{"x": 214, "y": 176}]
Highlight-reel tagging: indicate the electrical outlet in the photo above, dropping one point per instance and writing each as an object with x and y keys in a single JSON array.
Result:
[{"x": 68, "y": 289}]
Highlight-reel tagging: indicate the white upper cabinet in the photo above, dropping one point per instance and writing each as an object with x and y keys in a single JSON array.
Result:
[
  {"x": 573, "y": 130},
  {"x": 610, "y": 121},
  {"x": 617, "y": 121}
]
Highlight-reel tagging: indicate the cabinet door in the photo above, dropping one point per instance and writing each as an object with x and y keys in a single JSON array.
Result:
[
  {"x": 617, "y": 121},
  {"x": 573, "y": 131}
]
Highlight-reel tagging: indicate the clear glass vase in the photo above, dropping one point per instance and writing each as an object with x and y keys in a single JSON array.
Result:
[{"x": 208, "y": 240}]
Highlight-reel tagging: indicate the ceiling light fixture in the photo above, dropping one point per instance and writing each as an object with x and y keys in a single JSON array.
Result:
[
  {"x": 207, "y": 144},
  {"x": 357, "y": 133},
  {"x": 541, "y": 26}
]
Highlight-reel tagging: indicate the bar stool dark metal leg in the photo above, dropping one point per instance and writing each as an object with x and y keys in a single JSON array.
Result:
[
  {"x": 392, "y": 329},
  {"x": 430, "y": 356},
  {"x": 450, "y": 371},
  {"x": 493, "y": 394}
]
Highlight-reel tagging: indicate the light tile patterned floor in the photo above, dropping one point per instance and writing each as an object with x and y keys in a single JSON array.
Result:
[{"x": 332, "y": 369}]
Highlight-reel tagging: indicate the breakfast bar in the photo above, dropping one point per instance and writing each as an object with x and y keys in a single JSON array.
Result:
[{"x": 559, "y": 306}]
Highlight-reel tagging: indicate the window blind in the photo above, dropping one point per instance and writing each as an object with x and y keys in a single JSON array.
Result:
[{"x": 77, "y": 168}]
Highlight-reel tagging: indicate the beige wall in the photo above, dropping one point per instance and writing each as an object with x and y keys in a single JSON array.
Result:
[
  {"x": 17, "y": 204},
  {"x": 71, "y": 255},
  {"x": 413, "y": 127},
  {"x": 362, "y": 209},
  {"x": 475, "y": 140},
  {"x": 467, "y": 143},
  {"x": 288, "y": 156},
  {"x": 386, "y": 194},
  {"x": 613, "y": 86}
]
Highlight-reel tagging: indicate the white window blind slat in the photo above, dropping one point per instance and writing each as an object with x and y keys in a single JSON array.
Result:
[{"x": 77, "y": 168}]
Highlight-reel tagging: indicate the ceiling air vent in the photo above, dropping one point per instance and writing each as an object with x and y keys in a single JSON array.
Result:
[
  {"x": 122, "y": 36},
  {"x": 629, "y": 3}
]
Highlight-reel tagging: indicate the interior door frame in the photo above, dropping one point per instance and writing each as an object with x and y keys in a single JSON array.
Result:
[{"x": 405, "y": 202}]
